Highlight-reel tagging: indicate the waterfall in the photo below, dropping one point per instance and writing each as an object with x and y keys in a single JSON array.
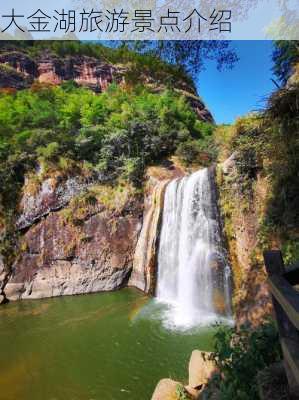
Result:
[{"x": 193, "y": 275}]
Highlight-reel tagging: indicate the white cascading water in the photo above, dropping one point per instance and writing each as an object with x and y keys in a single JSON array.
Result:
[{"x": 192, "y": 268}]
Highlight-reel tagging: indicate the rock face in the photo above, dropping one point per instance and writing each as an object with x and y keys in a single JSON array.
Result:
[
  {"x": 252, "y": 301},
  {"x": 144, "y": 271},
  {"x": 19, "y": 71},
  {"x": 48, "y": 68},
  {"x": 146, "y": 250},
  {"x": 165, "y": 390},
  {"x": 201, "y": 369},
  {"x": 62, "y": 260},
  {"x": 52, "y": 194},
  {"x": 72, "y": 242},
  {"x": 73, "y": 250},
  {"x": 3, "y": 280}
]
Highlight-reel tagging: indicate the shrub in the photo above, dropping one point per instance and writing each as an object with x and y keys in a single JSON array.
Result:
[
  {"x": 49, "y": 152},
  {"x": 191, "y": 152},
  {"x": 240, "y": 354},
  {"x": 181, "y": 393}
]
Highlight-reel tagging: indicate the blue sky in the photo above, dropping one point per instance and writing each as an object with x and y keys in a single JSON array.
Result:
[{"x": 232, "y": 93}]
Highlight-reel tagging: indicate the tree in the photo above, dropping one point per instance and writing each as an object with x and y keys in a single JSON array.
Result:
[
  {"x": 285, "y": 55},
  {"x": 191, "y": 55}
]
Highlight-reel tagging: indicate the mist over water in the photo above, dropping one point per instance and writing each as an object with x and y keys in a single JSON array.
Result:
[{"x": 192, "y": 263}]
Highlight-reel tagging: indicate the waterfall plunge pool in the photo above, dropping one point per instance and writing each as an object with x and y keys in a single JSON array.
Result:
[
  {"x": 105, "y": 346},
  {"x": 118, "y": 345}
]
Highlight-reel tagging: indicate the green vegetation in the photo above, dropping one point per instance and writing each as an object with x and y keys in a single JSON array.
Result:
[
  {"x": 68, "y": 130},
  {"x": 267, "y": 146},
  {"x": 285, "y": 56},
  {"x": 262, "y": 191},
  {"x": 116, "y": 134},
  {"x": 259, "y": 192},
  {"x": 199, "y": 152},
  {"x": 181, "y": 393},
  {"x": 191, "y": 55},
  {"x": 240, "y": 354}
]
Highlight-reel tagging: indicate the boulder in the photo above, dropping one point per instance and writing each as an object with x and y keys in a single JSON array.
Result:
[
  {"x": 228, "y": 166},
  {"x": 2, "y": 270},
  {"x": 3, "y": 279},
  {"x": 166, "y": 390},
  {"x": 201, "y": 369}
]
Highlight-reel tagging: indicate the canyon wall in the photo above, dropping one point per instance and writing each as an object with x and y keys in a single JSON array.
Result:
[
  {"x": 242, "y": 216},
  {"x": 18, "y": 70},
  {"x": 71, "y": 242},
  {"x": 79, "y": 235}
]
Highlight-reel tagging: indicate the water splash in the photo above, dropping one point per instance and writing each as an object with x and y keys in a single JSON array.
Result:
[{"x": 193, "y": 276}]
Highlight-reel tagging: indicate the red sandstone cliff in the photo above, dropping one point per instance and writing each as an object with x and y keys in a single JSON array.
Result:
[{"x": 19, "y": 71}]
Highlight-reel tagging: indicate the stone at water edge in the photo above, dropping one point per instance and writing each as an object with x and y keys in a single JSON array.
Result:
[
  {"x": 165, "y": 390},
  {"x": 201, "y": 369},
  {"x": 3, "y": 276}
]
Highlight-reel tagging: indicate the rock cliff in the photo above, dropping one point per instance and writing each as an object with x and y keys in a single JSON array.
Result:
[
  {"x": 145, "y": 258},
  {"x": 72, "y": 242},
  {"x": 77, "y": 233},
  {"x": 80, "y": 235},
  {"x": 19, "y": 70},
  {"x": 251, "y": 298}
]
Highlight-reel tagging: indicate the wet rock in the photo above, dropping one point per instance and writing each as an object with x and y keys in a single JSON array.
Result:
[
  {"x": 3, "y": 272},
  {"x": 3, "y": 280},
  {"x": 143, "y": 275},
  {"x": 201, "y": 369}
]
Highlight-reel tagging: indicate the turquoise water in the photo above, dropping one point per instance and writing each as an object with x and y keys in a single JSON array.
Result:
[{"x": 106, "y": 346}]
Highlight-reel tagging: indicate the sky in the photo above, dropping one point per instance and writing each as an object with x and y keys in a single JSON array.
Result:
[{"x": 232, "y": 93}]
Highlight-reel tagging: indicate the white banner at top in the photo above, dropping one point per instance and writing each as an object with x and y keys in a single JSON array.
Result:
[{"x": 149, "y": 20}]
